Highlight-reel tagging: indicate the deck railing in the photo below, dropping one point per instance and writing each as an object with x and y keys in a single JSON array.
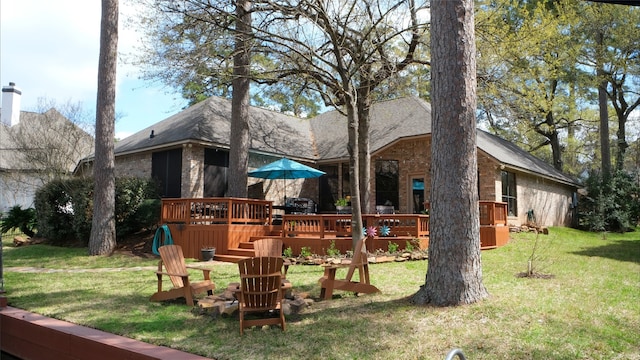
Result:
[
  {"x": 225, "y": 223},
  {"x": 216, "y": 211},
  {"x": 331, "y": 225},
  {"x": 416, "y": 225},
  {"x": 493, "y": 213},
  {"x": 250, "y": 211}
]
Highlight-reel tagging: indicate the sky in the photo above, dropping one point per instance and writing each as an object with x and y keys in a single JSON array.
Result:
[{"x": 50, "y": 50}]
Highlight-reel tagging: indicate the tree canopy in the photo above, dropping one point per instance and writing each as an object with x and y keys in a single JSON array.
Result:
[{"x": 539, "y": 73}]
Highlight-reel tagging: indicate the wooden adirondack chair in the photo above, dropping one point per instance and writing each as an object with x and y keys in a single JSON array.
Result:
[
  {"x": 270, "y": 247},
  {"x": 173, "y": 261},
  {"x": 260, "y": 291},
  {"x": 328, "y": 281}
]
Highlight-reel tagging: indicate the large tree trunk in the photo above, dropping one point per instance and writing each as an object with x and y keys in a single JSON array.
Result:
[
  {"x": 103, "y": 226},
  {"x": 239, "y": 148},
  {"x": 623, "y": 109},
  {"x": 364, "y": 151},
  {"x": 454, "y": 275},
  {"x": 605, "y": 150},
  {"x": 622, "y": 141},
  {"x": 554, "y": 140},
  {"x": 354, "y": 166}
]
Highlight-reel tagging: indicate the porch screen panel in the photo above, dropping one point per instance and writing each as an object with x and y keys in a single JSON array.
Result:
[
  {"x": 216, "y": 170},
  {"x": 509, "y": 192},
  {"x": 166, "y": 170},
  {"x": 328, "y": 188},
  {"x": 387, "y": 183}
]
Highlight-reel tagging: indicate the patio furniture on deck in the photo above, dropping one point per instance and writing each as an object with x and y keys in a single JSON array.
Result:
[
  {"x": 300, "y": 206},
  {"x": 385, "y": 209},
  {"x": 173, "y": 261},
  {"x": 328, "y": 281},
  {"x": 260, "y": 291}
]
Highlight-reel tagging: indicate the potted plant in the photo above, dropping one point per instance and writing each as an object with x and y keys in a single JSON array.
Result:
[
  {"x": 208, "y": 253},
  {"x": 342, "y": 206}
]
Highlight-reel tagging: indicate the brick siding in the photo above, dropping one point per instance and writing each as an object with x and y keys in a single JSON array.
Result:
[
  {"x": 550, "y": 201},
  {"x": 136, "y": 165}
]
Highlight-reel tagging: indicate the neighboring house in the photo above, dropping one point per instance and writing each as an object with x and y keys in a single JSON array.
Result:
[
  {"x": 188, "y": 154},
  {"x": 34, "y": 148}
]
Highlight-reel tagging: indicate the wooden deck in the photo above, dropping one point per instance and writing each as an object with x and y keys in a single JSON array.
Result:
[{"x": 231, "y": 224}]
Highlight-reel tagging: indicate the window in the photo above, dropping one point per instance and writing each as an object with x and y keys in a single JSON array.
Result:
[
  {"x": 166, "y": 169},
  {"x": 387, "y": 182},
  {"x": 509, "y": 192}
]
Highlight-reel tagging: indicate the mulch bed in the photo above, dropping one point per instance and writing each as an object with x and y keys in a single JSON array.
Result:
[{"x": 138, "y": 244}]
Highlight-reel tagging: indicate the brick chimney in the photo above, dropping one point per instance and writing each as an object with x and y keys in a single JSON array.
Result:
[{"x": 10, "y": 104}]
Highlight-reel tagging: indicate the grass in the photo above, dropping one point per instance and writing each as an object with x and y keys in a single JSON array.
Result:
[{"x": 589, "y": 309}]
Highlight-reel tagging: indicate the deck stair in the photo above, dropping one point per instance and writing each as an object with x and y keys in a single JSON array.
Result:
[
  {"x": 246, "y": 245},
  {"x": 243, "y": 251},
  {"x": 240, "y": 251},
  {"x": 229, "y": 258}
]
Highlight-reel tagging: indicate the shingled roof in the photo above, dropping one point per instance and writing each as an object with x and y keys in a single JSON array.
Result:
[
  {"x": 209, "y": 122},
  {"x": 397, "y": 119},
  {"x": 511, "y": 155},
  {"x": 390, "y": 121},
  {"x": 322, "y": 138},
  {"x": 38, "y": 135}
]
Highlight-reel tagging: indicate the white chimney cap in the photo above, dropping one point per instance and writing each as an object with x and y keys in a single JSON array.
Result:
[{"x": 11, "y": 104}]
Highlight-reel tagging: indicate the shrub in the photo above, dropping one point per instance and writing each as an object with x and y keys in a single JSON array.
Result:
[
  {"x": 409, "y": 246},
  {"x": 65, "y": 208},
  {"x": 332, "y": 250},
  {"x": 137, "y": 205},
  {"x": 611, "y": 205},
  {"x": 288, "y": 252},
  {"x": 82, "y": 205},
  {"x": 18, "y": 218},
  {"x": 305, "y": 251},
  {"x": 56, "y": 205},
  {"x": 148, "y": 214}
]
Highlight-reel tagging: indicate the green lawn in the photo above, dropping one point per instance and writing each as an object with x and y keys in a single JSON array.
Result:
[{"x": 589, "y": 309}]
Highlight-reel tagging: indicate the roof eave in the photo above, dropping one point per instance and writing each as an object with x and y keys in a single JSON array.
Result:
[
  {"x": 187, "y": 142},
  {"x": 537, "y": 174}
]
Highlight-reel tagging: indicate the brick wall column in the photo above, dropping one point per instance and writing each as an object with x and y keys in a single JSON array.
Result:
[
  {"x": 489, "y": 178},
  {"x": 192, "y": 171}
]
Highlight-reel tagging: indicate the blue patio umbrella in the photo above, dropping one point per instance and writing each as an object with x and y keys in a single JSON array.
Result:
[{"x": 285, "y": 169}]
